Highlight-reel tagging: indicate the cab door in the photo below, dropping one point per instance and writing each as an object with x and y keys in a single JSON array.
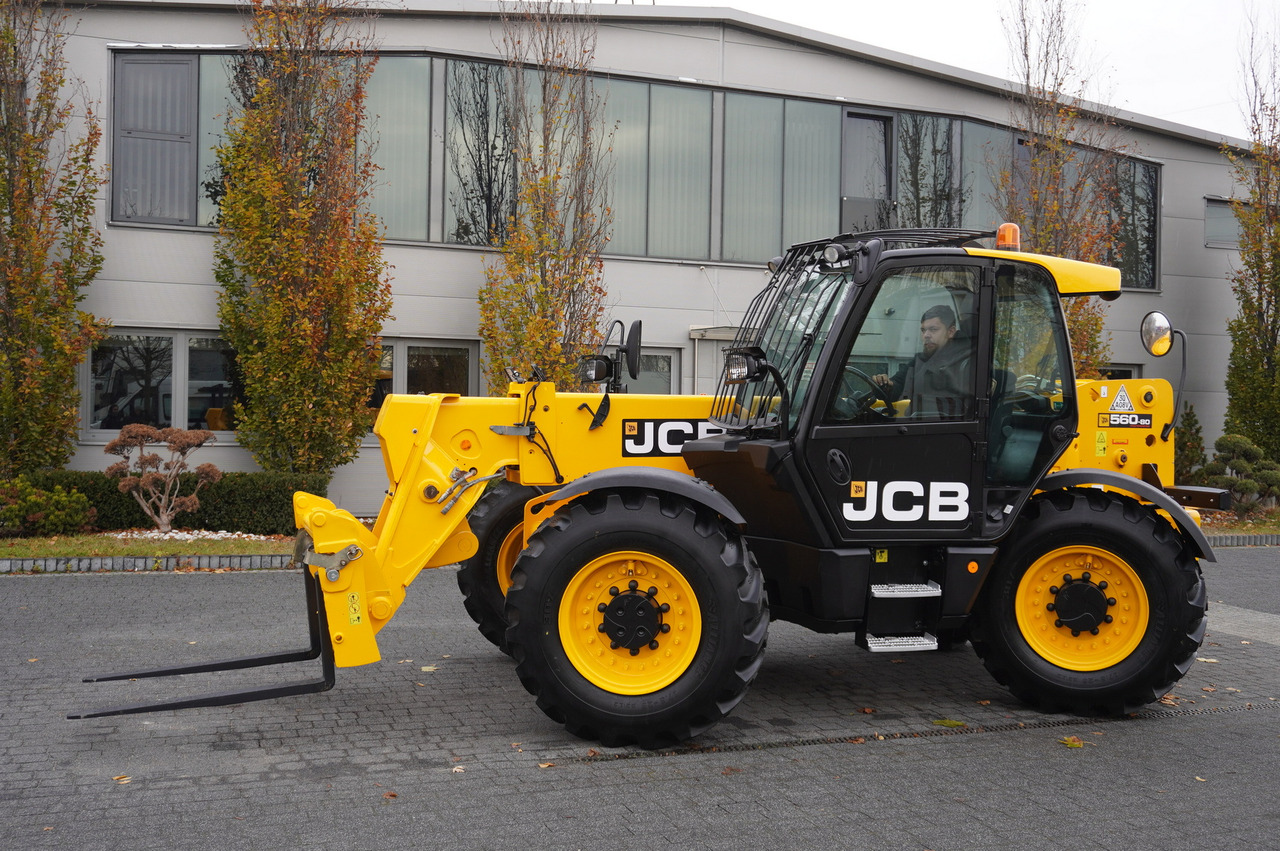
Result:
[{"x": 893, "y": 444}]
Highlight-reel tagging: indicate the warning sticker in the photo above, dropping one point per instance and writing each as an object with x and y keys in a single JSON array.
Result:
[
  {"x": 353, "y": 608},
  {"x": 1122, "y": 401},
  {"x": 1100, "y": 444}
]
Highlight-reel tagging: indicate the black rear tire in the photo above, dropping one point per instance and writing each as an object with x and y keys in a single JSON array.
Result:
[
  {"x": 1076, "y": 559},
  {"x": 483, "y": 579},
  {"x": 647, "y": 553}
]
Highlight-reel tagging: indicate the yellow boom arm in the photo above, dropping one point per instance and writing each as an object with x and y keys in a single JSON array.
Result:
[{"x": 439, "y": 451}]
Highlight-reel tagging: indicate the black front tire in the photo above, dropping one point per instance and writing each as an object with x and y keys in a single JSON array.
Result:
[
  {"x": 678, "y": 555},
  {"x": 1055, "y": 566},
  {"x": 483, "y": 578}
]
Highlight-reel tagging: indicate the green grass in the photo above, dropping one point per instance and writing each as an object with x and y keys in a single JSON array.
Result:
[{"x": 105, "y": 545}]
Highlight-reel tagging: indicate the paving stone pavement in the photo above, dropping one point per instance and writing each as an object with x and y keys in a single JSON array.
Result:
[{"x": 458, "y": 756}]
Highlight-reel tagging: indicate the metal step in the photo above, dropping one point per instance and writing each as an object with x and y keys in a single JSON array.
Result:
[
  {"x": 901, "y": 643},
  {"x": 907, "y": 589}
]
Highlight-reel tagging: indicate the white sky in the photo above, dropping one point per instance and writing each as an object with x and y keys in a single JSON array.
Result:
[{"x": 1179, "y": 60}]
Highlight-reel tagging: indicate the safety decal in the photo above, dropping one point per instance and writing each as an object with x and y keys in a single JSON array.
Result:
[
  {"x": 354, "y": 610},
  {"x": 1122, "y": 402}
]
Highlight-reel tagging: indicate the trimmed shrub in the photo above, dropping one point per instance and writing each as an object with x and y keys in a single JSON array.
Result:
[
  {"x": 29, "y": 510},
  {"x": 1242, "y": 467}
]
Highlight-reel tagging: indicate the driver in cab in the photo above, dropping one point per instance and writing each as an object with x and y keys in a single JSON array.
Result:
[{"x": 937, "y": 382}]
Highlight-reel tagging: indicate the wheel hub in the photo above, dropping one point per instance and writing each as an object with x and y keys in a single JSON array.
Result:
[
  {"x": 1080, "y": 605},
  {"x": 632, "y": 619}
]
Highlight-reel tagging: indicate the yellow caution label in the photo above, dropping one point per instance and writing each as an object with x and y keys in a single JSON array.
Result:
[
  {"x": 1100, "y": 444},
  {"x": 882, "y": 556},
  {"x": 355, "y": 611}
]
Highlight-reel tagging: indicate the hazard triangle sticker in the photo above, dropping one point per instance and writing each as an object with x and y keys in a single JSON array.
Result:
[{"x": 1122, "y": 401}]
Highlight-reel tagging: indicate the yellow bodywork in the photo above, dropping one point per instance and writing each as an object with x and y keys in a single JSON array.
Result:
[
  {"x": 1119, "y": 428},
  {"x": 436, "y": 449},
  {"x": 439, "y": 450}
]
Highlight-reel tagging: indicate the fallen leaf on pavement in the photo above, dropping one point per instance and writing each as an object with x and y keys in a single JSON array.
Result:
[
  {"x": 546, "y": 764},
  {"x": 948, "y": 722},
  {"x": 457, "y": 769},
  {"x": 428, "y": 668},
  {"x": 1072, "y": 741},
  {"x": 390, "y": 795}
]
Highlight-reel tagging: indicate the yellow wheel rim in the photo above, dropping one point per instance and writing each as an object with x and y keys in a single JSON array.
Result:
[
  {"x": 616, "y": 669},
  {"x": 508, "y": 552},
  {"x": 1108, "y": 585}
]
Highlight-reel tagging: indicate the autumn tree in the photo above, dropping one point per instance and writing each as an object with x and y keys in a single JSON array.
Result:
[
  {"x": 298, "y": 252},
  {"x": 1059, "y": 182},
  {"x": 542, "y": 303},
  {"x": 1253, "y": 368},
  {"x": 50, "y": 249}
]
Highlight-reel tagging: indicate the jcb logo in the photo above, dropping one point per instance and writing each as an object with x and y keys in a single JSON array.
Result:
[
  {"x": 649, "y": 438},
  {"x": 907, "y": 502}
]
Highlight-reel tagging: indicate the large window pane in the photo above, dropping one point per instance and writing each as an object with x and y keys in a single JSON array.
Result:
[
  {"x": 132, "y": 382},
  {"x": 627, "y": 111},
  {"x": 209, "y": 390},
  {"x": 752, "y": 176},
  {"x": 655, "y": 374},
  {"x": 1138, "y": 211},
  {"x": 983, "y": 151},
  {"x": 928, "y": 196},
  {"x": 864, "y": 182},
  {"x": 438, "y": 369},
  {"x": 399, "y": 107},
  {"x": 480, "y": 164},
  {"x": 215, "y": 105},
  {"x": 810, "y": 204},
  {"x": 153, "y": 172},
  {"x": 679, "y": 172}
]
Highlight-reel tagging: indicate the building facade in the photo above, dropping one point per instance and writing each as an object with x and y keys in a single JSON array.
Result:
[{"x": 734, "y": 136}]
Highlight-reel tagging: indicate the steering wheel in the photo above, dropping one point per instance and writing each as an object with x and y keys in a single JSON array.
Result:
[{"x": 851, "y": 402}]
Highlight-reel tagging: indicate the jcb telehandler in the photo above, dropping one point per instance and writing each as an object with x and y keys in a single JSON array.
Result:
[{"x": 897, "y": 449}]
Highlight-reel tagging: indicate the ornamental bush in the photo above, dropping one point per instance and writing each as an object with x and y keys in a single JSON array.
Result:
[
  {"x": 28, "y": 510},
  {"x": 153, "y": 481},
  {"x": 1242, "y": 467}
]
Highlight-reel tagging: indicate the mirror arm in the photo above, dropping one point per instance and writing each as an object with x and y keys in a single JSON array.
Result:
[{"x": 1177, "y": 399}]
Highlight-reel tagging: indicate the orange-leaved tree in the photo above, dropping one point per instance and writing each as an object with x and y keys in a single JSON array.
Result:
[
  {"x": 1059, "y": 183},
  {"x": 542, "y": 303},
  {"x": 50, "y": 249},
  {"x": 298, "y": 253}
]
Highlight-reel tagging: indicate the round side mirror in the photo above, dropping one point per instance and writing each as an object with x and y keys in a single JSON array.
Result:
[{"x": 1157, "y": 333}]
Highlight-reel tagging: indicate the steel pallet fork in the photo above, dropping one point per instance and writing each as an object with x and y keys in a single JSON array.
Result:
[{"x": 320, "y": 647}]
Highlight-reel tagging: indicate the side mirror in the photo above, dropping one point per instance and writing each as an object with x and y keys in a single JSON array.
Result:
[
  {"x": 632, "y": 349},
  {"x": 1157, "y": 334}
]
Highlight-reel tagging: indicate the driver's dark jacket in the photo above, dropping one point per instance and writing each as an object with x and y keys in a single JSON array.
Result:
[{"x": 940, "y": 385}]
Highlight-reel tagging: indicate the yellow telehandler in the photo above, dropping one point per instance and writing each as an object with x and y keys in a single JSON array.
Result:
[{"x": 898, "y": 449}]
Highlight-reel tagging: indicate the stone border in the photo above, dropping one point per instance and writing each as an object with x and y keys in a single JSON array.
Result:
[
  {"x": 67, "y": 564},
  {"x": 1243, "y": 540},
  {"x": 276, "y": 562}
]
